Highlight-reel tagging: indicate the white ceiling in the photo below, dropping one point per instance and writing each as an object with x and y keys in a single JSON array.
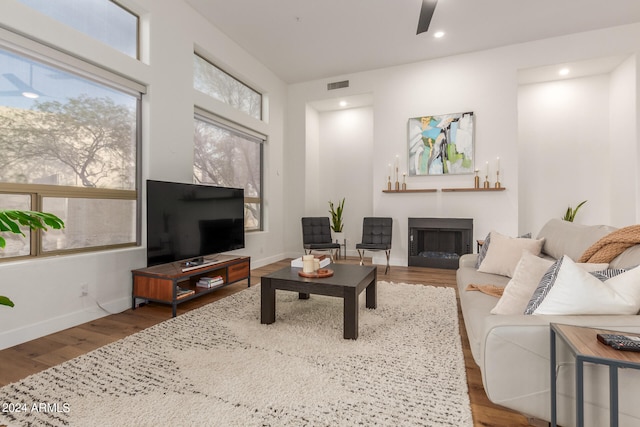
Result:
[{"x": 302, "y": 40}]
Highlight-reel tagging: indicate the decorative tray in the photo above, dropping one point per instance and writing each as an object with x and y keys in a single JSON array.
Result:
[{"x": 323, "y": 272}]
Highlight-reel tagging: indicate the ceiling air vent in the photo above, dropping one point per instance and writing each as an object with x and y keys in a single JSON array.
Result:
[{"x": 338, "y": 85}]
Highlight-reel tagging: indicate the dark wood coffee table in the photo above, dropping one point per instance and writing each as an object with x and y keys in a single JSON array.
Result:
[{"x": 347, "y": 282}]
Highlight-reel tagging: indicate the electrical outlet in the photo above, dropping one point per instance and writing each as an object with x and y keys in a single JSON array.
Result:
[{"x": 84, "y": 289}]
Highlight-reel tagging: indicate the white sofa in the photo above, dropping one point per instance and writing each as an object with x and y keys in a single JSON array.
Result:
[{"x": 512, "y": 351}]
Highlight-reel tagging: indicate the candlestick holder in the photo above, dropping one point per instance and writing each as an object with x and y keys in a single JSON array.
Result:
[
  {"x": 486, "y": 182},
  {"x": 389, "y": 184},
  {"x": 404, "y": 182},
  {"x": 476, "y": 180},
  {"x": 497, "y": 179},
  {"x": 397, "y": 186}
]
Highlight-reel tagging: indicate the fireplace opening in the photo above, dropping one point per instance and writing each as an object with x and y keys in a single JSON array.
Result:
[{"x": 439, "y": 242}]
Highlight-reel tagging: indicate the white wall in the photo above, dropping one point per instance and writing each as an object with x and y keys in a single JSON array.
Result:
[
  {"x": 482, "y": 82},
  {"x": 346, "y": 171},
  {"x": 564, "y": 151},
  {"x": 47, "y": 291},
  {"x": 624, "y": 150}
]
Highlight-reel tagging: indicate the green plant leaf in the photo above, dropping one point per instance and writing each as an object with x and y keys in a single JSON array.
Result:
[
  {"x": 570, "y": 215},
  {"x": 6, "y": 301},
  {"x": 336, "y": 215},
  {"x": 9, "y": 221}
]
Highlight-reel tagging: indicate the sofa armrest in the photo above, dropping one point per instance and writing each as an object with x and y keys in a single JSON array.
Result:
[
  {"x": 514, "y": 342},
  {"x": 468, "y": 260}
]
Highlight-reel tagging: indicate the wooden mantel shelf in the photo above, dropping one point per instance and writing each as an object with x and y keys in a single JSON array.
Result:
[
  {"x": 473, "y": 189},
  {"x": 444, "y": 190},
  {"x": 416, "y": 190}
]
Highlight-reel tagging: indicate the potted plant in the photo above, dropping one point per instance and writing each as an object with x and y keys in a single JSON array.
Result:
[
  {"x": 336, "y": 219},
  {"x": 10, "y": 222},
  {"x": 571, "y": 213}
]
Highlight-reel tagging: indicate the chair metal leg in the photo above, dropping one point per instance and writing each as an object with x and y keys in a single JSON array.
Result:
[
  {"x": 388, "y": 253},
  {"x": 361, "y": 253}
]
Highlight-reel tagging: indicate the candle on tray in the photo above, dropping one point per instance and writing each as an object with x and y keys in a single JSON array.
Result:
[{"x": 307, "y": 263}]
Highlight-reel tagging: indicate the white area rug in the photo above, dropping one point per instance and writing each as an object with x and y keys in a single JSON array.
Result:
[{"x": 218, "y": 366}]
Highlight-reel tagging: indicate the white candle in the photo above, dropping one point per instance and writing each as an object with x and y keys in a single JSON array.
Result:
[
  {"x": 307, "y": 263},
  {"x": 390, "y": 171},
  {"x": 487, "y": 174},
  {"x": 498, "y": 164}
]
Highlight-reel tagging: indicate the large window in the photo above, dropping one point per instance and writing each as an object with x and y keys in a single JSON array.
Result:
[
  {"x": 69, "y": 144},
  {"x": 228, "y": 156},
  {"x": 209, "y": 79},
  {"x": 104, "y": 20}
]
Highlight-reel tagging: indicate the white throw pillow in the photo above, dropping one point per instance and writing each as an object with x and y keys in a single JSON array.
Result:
[
  {"x": 526, "y": 278},
  {"x": 505, "y": 252},
  {"x": 518, "y": 291},
  {"x": 576, "y": 291}
]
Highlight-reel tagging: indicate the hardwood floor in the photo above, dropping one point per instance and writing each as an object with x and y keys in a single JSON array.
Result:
[{"x": 25, "y": 359}]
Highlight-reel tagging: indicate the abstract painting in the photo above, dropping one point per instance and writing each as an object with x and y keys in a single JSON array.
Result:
[{"x": 441, "y": 145}]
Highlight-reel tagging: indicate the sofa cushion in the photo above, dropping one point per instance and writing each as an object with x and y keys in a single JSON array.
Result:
[
  {"x": 573, "y": 291},
  {"x": 567, "y": 238},
  {"x": 505, "y": 252},
  {"x": 627, "y": 259}
]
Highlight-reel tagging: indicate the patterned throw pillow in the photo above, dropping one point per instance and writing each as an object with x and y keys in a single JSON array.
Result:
[
  {"x": 604, "y": 275},
  {"x": 546, "y": 283},
  {"x": 569, "y": 288},
  {"x": 483, "y": 250}
]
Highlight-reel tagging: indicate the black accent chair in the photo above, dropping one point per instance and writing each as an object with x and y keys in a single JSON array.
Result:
[
  {"x": 316, "y": 235},
  {"x": 376, "y": 236}
]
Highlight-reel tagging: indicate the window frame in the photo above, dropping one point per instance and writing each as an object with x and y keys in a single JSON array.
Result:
[
  {"x": 33, "y": 50},
  {"x": 37, "y": 192}
]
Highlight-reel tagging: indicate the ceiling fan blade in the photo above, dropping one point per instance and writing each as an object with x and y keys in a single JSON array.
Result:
[
  {"x": 426, "y": 12},
  {"x": 17, "y": 82},
  {"x": 23, "y": 88}
]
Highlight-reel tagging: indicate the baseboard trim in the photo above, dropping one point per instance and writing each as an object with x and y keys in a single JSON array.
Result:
[{"x": 38, "y": 330}]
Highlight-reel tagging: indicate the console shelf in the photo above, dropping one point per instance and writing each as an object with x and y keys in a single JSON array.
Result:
[{"x": 159, "y": 283}]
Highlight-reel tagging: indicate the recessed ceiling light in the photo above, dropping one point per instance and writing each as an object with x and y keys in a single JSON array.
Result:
[
  {"x": 438, "y": 34},
  {"x": 343, "y": 103},
  {"x": 30, "y": 95},
  {"x": 563, "y": 71}
]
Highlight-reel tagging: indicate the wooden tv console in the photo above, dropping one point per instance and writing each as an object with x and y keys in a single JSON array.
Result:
[{"x": 159, "y": 283}]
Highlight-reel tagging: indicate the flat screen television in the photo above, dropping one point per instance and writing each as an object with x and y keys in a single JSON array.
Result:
[{"x": 191, "y": 221}]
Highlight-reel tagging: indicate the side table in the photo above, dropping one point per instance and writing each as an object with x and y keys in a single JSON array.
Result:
[{"x": 585, "y": 346}]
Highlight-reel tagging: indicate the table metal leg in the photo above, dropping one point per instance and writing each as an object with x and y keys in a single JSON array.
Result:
[
  {"x": 613, "y": 396},
  {"x": 579, "y": 392},
  {"x": 552, "y": 377}
]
